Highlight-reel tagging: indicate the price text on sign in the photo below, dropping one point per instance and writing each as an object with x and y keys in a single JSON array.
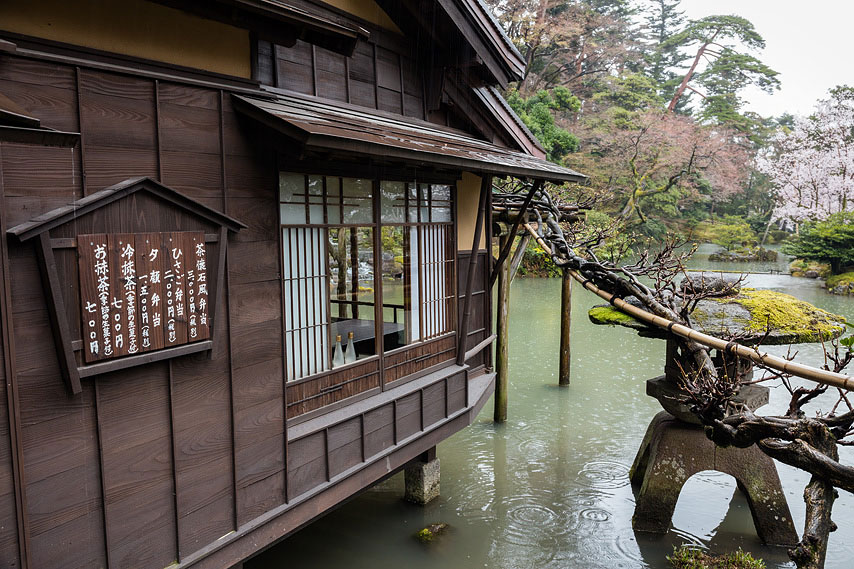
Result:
[{"x": 142, "y": 292}]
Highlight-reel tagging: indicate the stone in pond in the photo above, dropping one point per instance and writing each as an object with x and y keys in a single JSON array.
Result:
[{"x": 431, "y": 532}]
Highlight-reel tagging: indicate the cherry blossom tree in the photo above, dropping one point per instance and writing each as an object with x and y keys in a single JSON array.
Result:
[{"x": 813, "y": 169}]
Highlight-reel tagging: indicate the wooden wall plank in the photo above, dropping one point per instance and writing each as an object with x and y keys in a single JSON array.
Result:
[
  {"x": 48, "y": 91},
  {"x": 60, "y": 447},
  {"x": 379, "y": 429},
  {"x": 201, "y": 412},
  {"x": 133, "y": 416},
  {"x": 307, "y": 463},
  {"x": 408, "y": 418}
]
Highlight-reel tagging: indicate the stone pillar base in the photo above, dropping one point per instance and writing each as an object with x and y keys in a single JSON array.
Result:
[
  {"x": 421, "y": 481},
  {"x": 672, "y": 451}
]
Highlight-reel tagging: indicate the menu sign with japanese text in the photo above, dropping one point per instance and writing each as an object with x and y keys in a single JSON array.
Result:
[{"x": 142, "y": 292}]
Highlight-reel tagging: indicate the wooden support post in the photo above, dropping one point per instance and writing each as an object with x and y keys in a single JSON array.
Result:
[
  {"x": 565, "y": 317},
  {"x": 501, "y": 348}
]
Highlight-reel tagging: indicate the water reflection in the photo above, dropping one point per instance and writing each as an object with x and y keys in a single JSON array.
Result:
[{"x": 550, "y": 487}]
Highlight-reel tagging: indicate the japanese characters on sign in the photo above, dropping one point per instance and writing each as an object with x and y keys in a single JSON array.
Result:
[{"x": 142, "y": 292}]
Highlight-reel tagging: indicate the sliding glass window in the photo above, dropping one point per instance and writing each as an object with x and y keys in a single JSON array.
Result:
[{"x": 330, "y": 285}]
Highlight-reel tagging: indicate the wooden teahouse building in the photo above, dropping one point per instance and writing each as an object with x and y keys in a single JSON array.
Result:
[{"x": 243, "y": 266}]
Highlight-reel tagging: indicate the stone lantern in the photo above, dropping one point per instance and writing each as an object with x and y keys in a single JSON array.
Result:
[{"x": 675, "y": 446}]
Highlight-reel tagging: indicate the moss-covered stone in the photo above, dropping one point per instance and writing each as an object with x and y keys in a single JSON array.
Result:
[
  {"x": 610, "y": 315},
  {"x": 431, "y": 532},
  {"x": 810, "y": 269},
  {"x": 840, "y": 284},
  {"x": 786, "y": 316},
  {"x": 750, "y": 316},
  {"x": 689, "y": 557}
]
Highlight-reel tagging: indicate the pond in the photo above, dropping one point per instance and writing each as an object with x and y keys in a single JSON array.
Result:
[{"x": 550, "y": 487}]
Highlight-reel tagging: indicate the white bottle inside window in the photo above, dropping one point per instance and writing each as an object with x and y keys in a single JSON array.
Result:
[
  {"x": 350, "y": 352},
  {"x": 338, "y": 354}
]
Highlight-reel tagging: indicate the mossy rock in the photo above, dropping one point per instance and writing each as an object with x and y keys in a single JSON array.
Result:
[
  {"x": 431, "y": 532},
  {"x": 840, "y": 284},
  {"x": 688, "y": 557},
  {"x": 750, "y": 316},
  {"x": 803, "y": 268}
]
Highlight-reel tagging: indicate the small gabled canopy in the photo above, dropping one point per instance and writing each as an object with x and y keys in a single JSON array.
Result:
[
  {"x": 78, "y": 208},
  {"x": 326, "y": 126}
]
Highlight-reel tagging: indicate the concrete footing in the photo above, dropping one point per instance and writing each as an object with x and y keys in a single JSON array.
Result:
[
  {"x": 421, "y": 479},
  {"x": 672, "y": 451}
]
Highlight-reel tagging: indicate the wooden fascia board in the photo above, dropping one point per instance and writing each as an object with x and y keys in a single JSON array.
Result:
[
  {"x": 471, "y": 33},
  {"x": 502, "y": 66},
  {"x": 318, "y": 142}
]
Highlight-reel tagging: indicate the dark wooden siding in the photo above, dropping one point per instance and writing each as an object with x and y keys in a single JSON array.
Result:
[
  {"x": 170, "y": 456},
  {"x": 333, "y": 447},
  {"x": 380, "y": 76}
]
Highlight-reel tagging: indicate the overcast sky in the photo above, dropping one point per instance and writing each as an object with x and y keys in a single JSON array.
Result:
[{"x": 808, "y": 42}]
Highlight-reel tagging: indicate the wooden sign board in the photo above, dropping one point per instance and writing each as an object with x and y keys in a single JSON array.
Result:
[{"x": 142, "y": 292}]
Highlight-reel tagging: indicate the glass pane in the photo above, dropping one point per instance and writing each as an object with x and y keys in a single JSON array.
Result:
[
  {"x": 397, "y": 273},
  {"x": 357, "y": 201},
  {"x": 441, "y": 203},
  {"x": 392, "y": 199},
  {"x": 412, "y": 203},
  {"x": 351, "y": 285},
  {"x": 291, "y": 187},
  {"x": 424, "y": 202},
  {"x": 333, "y": 200},
  {"x": 292, "y": 214}
]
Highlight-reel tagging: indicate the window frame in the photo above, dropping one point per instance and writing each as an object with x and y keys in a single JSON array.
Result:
[{"x": 376, "y": 225}]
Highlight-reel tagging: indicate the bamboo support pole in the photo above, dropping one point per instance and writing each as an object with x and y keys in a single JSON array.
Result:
[
  {"x": 565, "y": 317},
  {"x": 822, "y": 376},
  {"x": 501, "y": 347}
]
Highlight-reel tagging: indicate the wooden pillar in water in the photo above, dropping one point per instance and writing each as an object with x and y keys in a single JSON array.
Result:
[
  {"x": 565, "y": 313},
  {"x": 501, "y": 348}
]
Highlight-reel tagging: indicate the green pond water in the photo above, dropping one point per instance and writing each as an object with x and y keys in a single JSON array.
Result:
[{"x": 550, "y": 487}]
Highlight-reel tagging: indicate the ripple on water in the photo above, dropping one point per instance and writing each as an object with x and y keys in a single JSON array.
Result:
[
  {"x": 595, "y": 514},
  {"x": 604, "y": 474}
]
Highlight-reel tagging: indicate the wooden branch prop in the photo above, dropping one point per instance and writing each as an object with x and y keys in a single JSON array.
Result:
[{"x": 505, "y": 251}]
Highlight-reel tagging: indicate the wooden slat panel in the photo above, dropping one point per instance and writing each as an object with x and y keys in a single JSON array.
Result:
[
  {"x": 362, "y": 93},
  {"x": 295, "y": 77},
  {"x": 434, "y": 403},
  {"x": 261, "y": 218},
  {"x": 201, "y": 413},
  {"x": 389, "y": 101},
  {"x": 332, "y": 86},
  {"x": 379, "y": 429},
  {"x": 9, "y": 551},
  {"x": 456, "y": 392},
  {"x": 106, "y": 166},
  {"x": 254, "y": 263},
  {"x": 345, "y": 445},
  {"x": 306, "y": 464},
  {"x": 187, "y": 96},
  {"x": 259, "y": 497},
  {"x": 189, "y": 129},
  {"x": 388, "y": 70},
  {"x": 45, "y": 89},
  {"x": 149, "y": 259},
  {"x": 408, "y": 415},
  {"x": 133, "y": 414},
  {"x": 119, "y": 121},
  {"x": 60, "y": 446}
]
